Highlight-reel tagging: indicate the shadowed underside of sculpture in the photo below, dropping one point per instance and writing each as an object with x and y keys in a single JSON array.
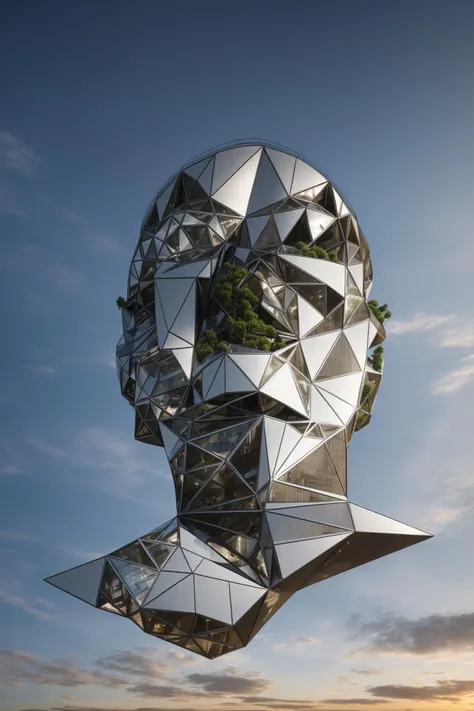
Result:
[{"x": 246, "y": 355}]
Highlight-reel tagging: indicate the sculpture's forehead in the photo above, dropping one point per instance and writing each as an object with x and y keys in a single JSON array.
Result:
[
  {"x": 256, "y": 197},
  {"x": 246, "y": 179},
  {"x": 243, "y": 181}
]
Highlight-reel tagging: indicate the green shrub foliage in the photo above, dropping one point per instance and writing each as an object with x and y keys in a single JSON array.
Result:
[
  {"x": 367, "y": 391},
  {"x": 376, "y": 361},
  {"x": 362, "y": 417},
  {"x": 121, "y": 302},
  {"x": 380, "y": 312},
  {"x": 242, "y": 324},
  {"x": 317, "y": 252}
]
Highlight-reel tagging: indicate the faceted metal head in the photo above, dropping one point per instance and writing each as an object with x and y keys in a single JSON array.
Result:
[
  {"x": 246, "y": 334},
  {"x": 306, "y": 262}
]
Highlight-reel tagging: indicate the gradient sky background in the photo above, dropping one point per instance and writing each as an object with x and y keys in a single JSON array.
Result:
[{"x": 101, "y": 102}]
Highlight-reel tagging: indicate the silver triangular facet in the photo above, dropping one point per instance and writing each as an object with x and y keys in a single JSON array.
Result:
[
  {"x": 255, "y": 226},
  {"x": 212, "y": 598},
  {"x": 285, "y": 221},
  {"x": 235, "y": 193},
  {"x": 228, "y": 162},
  {"x": 357, "y": 271},
  {"x": 177, "y": 563},
  {"x": 184, "y": 356},
  {"x": 316, "y": 349},
  {"x": 252, "y": 365},
  {"x": 318, "y": 222},
  {"x": 235, "y": 380},
  {"x": 290, "y": 439},
  {"x": 357, "y": 337},
  {"x": 367, "y": 521},
  {"x": 308, "y": 317},
  {"x": 82, "y": 582},
  {"x": 196, "y": 169},
  {"x": 164, "y": 198},
  {"x": 243, "y": 598},
  {"x": 179, "y": 598},
  {"x": 292, "y": 556},
  {"x": 273, "y": 435},
  {"x": 305, "y": 446},
  {"x": 164, "y": 582},
  {"x": 284, "y": 165},
  {"x": 268, "y": 188},
  {"x": 170, "y": 440},
  {"x": 321, "y": 411},
  {"x": 305, "y": 177},
  {"x": 282, "y": 387},
  {"x": 173, "y": 294},
  {"x": 342, "y": 409},
  {"x": 346, "y": 387}
]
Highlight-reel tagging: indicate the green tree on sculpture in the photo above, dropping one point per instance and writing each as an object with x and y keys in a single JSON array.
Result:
[
  {"x": 367, "y": 390},
  {"x": 242, "y": 324},
  {"x": 380, "y": 312},
  {"x": 317, "y": 252},
  {"x": 376, "y": 361}
]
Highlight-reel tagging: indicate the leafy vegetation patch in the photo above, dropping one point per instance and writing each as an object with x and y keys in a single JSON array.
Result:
[
  {"x": 242, "y": 324},
  {"x": 317, "y": 252},
  {"x": 367, "y": 391},
  {"x": 376, "y": 360},
  {"x": 380, "y": 312}
]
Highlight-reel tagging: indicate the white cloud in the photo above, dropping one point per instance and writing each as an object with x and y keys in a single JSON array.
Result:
[
  {"x": 11, "y": 469},
  {"x": 308, "y": 640},
  {"x": 418, "y": 323},
  {"x": 40, "y": 269},
  {"x": 14, "y": 536},
  {"x": 450, "y": 331},
  {"x": 108, "y": 361},
  {"x": 25, "y": 603},
  {"x": 16, "y": 155},
  {"x": 300, "y": 646},
  {"x": 106, "y": 244},
  {"x": 460, "y": 337},
  {"x": 41, "y": 369},
  {"x": 69, "y": 215},
  {"x": 66, "y": 278},
  {"x": 49, "y": 449},
  {"x": 103, "y": 452},
  {"x": 10, "y": 202},
  {"x": 16, "y": 576},
  {"x": 440, "y": 470},
  {"x": 459, "y": 334},
  {"x": 12, "y": 459},
  {"x": 455, "y": 380},
  {"x": 82, "y": 555}
]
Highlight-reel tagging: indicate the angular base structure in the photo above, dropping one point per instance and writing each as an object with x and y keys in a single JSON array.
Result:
[
  {"x": 245, "y": 353},
  {"x": 176, "y": 587}
]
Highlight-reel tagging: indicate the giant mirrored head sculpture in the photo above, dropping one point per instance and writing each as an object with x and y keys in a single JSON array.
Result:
[{"x": 246, "y": 354}]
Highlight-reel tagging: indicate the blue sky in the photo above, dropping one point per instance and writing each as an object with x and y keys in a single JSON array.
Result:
[{"x": 101, "y": 102}]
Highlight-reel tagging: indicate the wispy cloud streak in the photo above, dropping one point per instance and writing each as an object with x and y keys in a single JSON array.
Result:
[
  {"x": 16, "y": 154},
  {"x": 455, "y": 380}
]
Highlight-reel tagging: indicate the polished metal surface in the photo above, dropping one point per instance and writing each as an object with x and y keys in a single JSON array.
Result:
[{"x": 256, "y": 428}]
